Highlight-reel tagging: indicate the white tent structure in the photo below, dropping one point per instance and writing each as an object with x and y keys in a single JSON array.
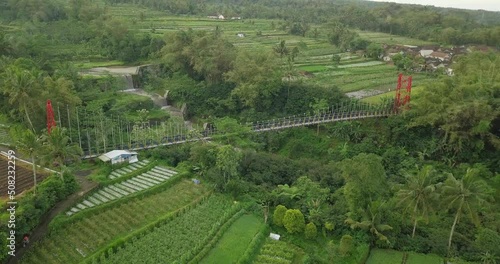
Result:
[{"x": 119, "y": 156}]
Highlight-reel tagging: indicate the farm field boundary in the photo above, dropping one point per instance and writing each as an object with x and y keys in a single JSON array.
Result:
[
  {"x": 254, "y": 245},
  {"x": 72, "y": 239},
  {"x": 64, "y": 219},
  {"x": 175, "y": 239},
  {"x": 231, "y": 242}
]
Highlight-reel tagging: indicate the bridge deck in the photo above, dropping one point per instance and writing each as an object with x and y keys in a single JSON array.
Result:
[{"x": 270, "y": 125}]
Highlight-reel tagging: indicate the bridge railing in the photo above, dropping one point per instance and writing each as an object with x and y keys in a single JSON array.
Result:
[{"x": 155, "y": 139}]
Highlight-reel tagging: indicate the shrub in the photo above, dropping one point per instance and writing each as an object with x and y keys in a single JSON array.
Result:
[
  {"x": 279, "y": 214},
  {"x": 311, "y": 231},
  {"x": 294, "y": 221},
  {"x": 346, "y": 245},
  {"x": 488, "y": 241}
]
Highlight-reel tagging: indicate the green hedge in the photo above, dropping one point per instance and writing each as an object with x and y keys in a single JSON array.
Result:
[
  {"x": 62, "y": 219},
  {"x": 195, "y": 251},
  {"x": 254, "y": 246},
  {"x": 203, "y": 252}
]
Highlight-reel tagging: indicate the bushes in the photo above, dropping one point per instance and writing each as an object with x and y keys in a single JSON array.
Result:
[
  {"x": 311, "y": 231},
  {"x": 346, "y": 245},
  {"x": 31, "y": 208},
  {"x": 294, "y": 221},
  {"x": 279, "y": 214}
]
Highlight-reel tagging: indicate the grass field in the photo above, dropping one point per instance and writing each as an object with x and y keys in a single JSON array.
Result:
[
  {"x": 72, "y": 242},
  {"x": 386, "y": 256},
  {"x": 417, "y": 258},
  {"x": 382, "y": 256},
  {"x": 234, "y": 241}
]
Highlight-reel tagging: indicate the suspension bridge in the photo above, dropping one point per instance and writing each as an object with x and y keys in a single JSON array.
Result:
[
  {"x": 97, "y": 133},
  {"x": 149, "y": 136}
]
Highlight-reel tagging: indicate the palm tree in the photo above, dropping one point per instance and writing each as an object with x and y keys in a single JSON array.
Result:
[
  {"x": 418, "y": 194},
  {"x": 21, "y": 86},
  {"x": 372, "y": 221},
  {"x": 466, "y": 196},
  {"x": 57, "y": 148},
  {"x": 488, "y": 258},
  {"x": 30, "y": 144},
  {"x": 281, "y": 49}
]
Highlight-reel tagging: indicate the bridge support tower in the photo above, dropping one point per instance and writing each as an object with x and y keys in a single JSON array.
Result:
[{"x": 403, "y": 99}]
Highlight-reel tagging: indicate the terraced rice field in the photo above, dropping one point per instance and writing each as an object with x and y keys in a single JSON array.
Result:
[
  {"x": 24, "y": 176},
  {"x": 354, "y": 73},
  {"x": 273, "y": 251},
  {"x": 179, "y": 239},
  {"x": 72, "y": 242},
  {"x": 144, "y": 181}
]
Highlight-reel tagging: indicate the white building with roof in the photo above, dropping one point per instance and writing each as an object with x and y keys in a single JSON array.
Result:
[{"x": 119, "y": 156}]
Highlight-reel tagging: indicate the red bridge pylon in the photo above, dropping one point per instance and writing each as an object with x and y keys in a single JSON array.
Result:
[
  {"x": 398, "y": 101},
  {"x": 50, "y": 117}
]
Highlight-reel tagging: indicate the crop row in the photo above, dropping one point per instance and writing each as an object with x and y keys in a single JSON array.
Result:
[
  {"x": 275, "y": 252},
  {"x": 179, "y": 239},
  {"x": 23, "y": 176},
  {"x": 72, "y": 242},
  {"x": 149, "y": 179}
]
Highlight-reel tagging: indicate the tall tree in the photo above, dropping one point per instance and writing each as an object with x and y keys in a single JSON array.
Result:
[
  {"x": 29, "y": 143},
  {"x": 281, "y": 49},
  {"x": 464, "y": 107},
  {"x": 365, "y": 182},
  {"x": 372, "y": 221},
  {"x": 464, "y": 196},
  {"x": 418, "y": 194},
  {"x": 57, "y": 148},
  {"x": 318, "y": 106},
  {"x": 227, "y": 162},
  {"x": 22, "y": 88}
]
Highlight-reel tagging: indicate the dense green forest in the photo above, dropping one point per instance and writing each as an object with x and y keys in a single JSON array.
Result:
[{"x": 426, "y": 180}]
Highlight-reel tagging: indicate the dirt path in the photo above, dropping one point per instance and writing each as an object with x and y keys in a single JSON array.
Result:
[{"x": 42, "y": 229}]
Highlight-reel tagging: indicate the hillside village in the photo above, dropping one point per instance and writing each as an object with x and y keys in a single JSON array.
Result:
[{"x": 434, "y": 56}]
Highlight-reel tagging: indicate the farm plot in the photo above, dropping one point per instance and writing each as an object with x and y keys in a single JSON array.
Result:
[
  {"x": 24, "y": 176},
  {"x": 381, "y": 256},
  {"x": 386, "y": 256},
  {"x": 380, "y": 97},
  {"x": 128, "y": 169},
  {"x": 144, "y": 181},
  {"x": 273, "y": 251},
  {"x": 71, "y": 242},
  {"x": 179, "y": 239},
  {"x": 234, "y": 242},
  {"x": 384, "y": 38}
]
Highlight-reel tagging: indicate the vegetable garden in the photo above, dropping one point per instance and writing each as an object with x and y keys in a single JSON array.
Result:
[
  {"x": 179, "y": 239},
  {"x": 275, "y": 252},
  {"x": 76, "y": 237},
  {"x": 24, "y": 176}
]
